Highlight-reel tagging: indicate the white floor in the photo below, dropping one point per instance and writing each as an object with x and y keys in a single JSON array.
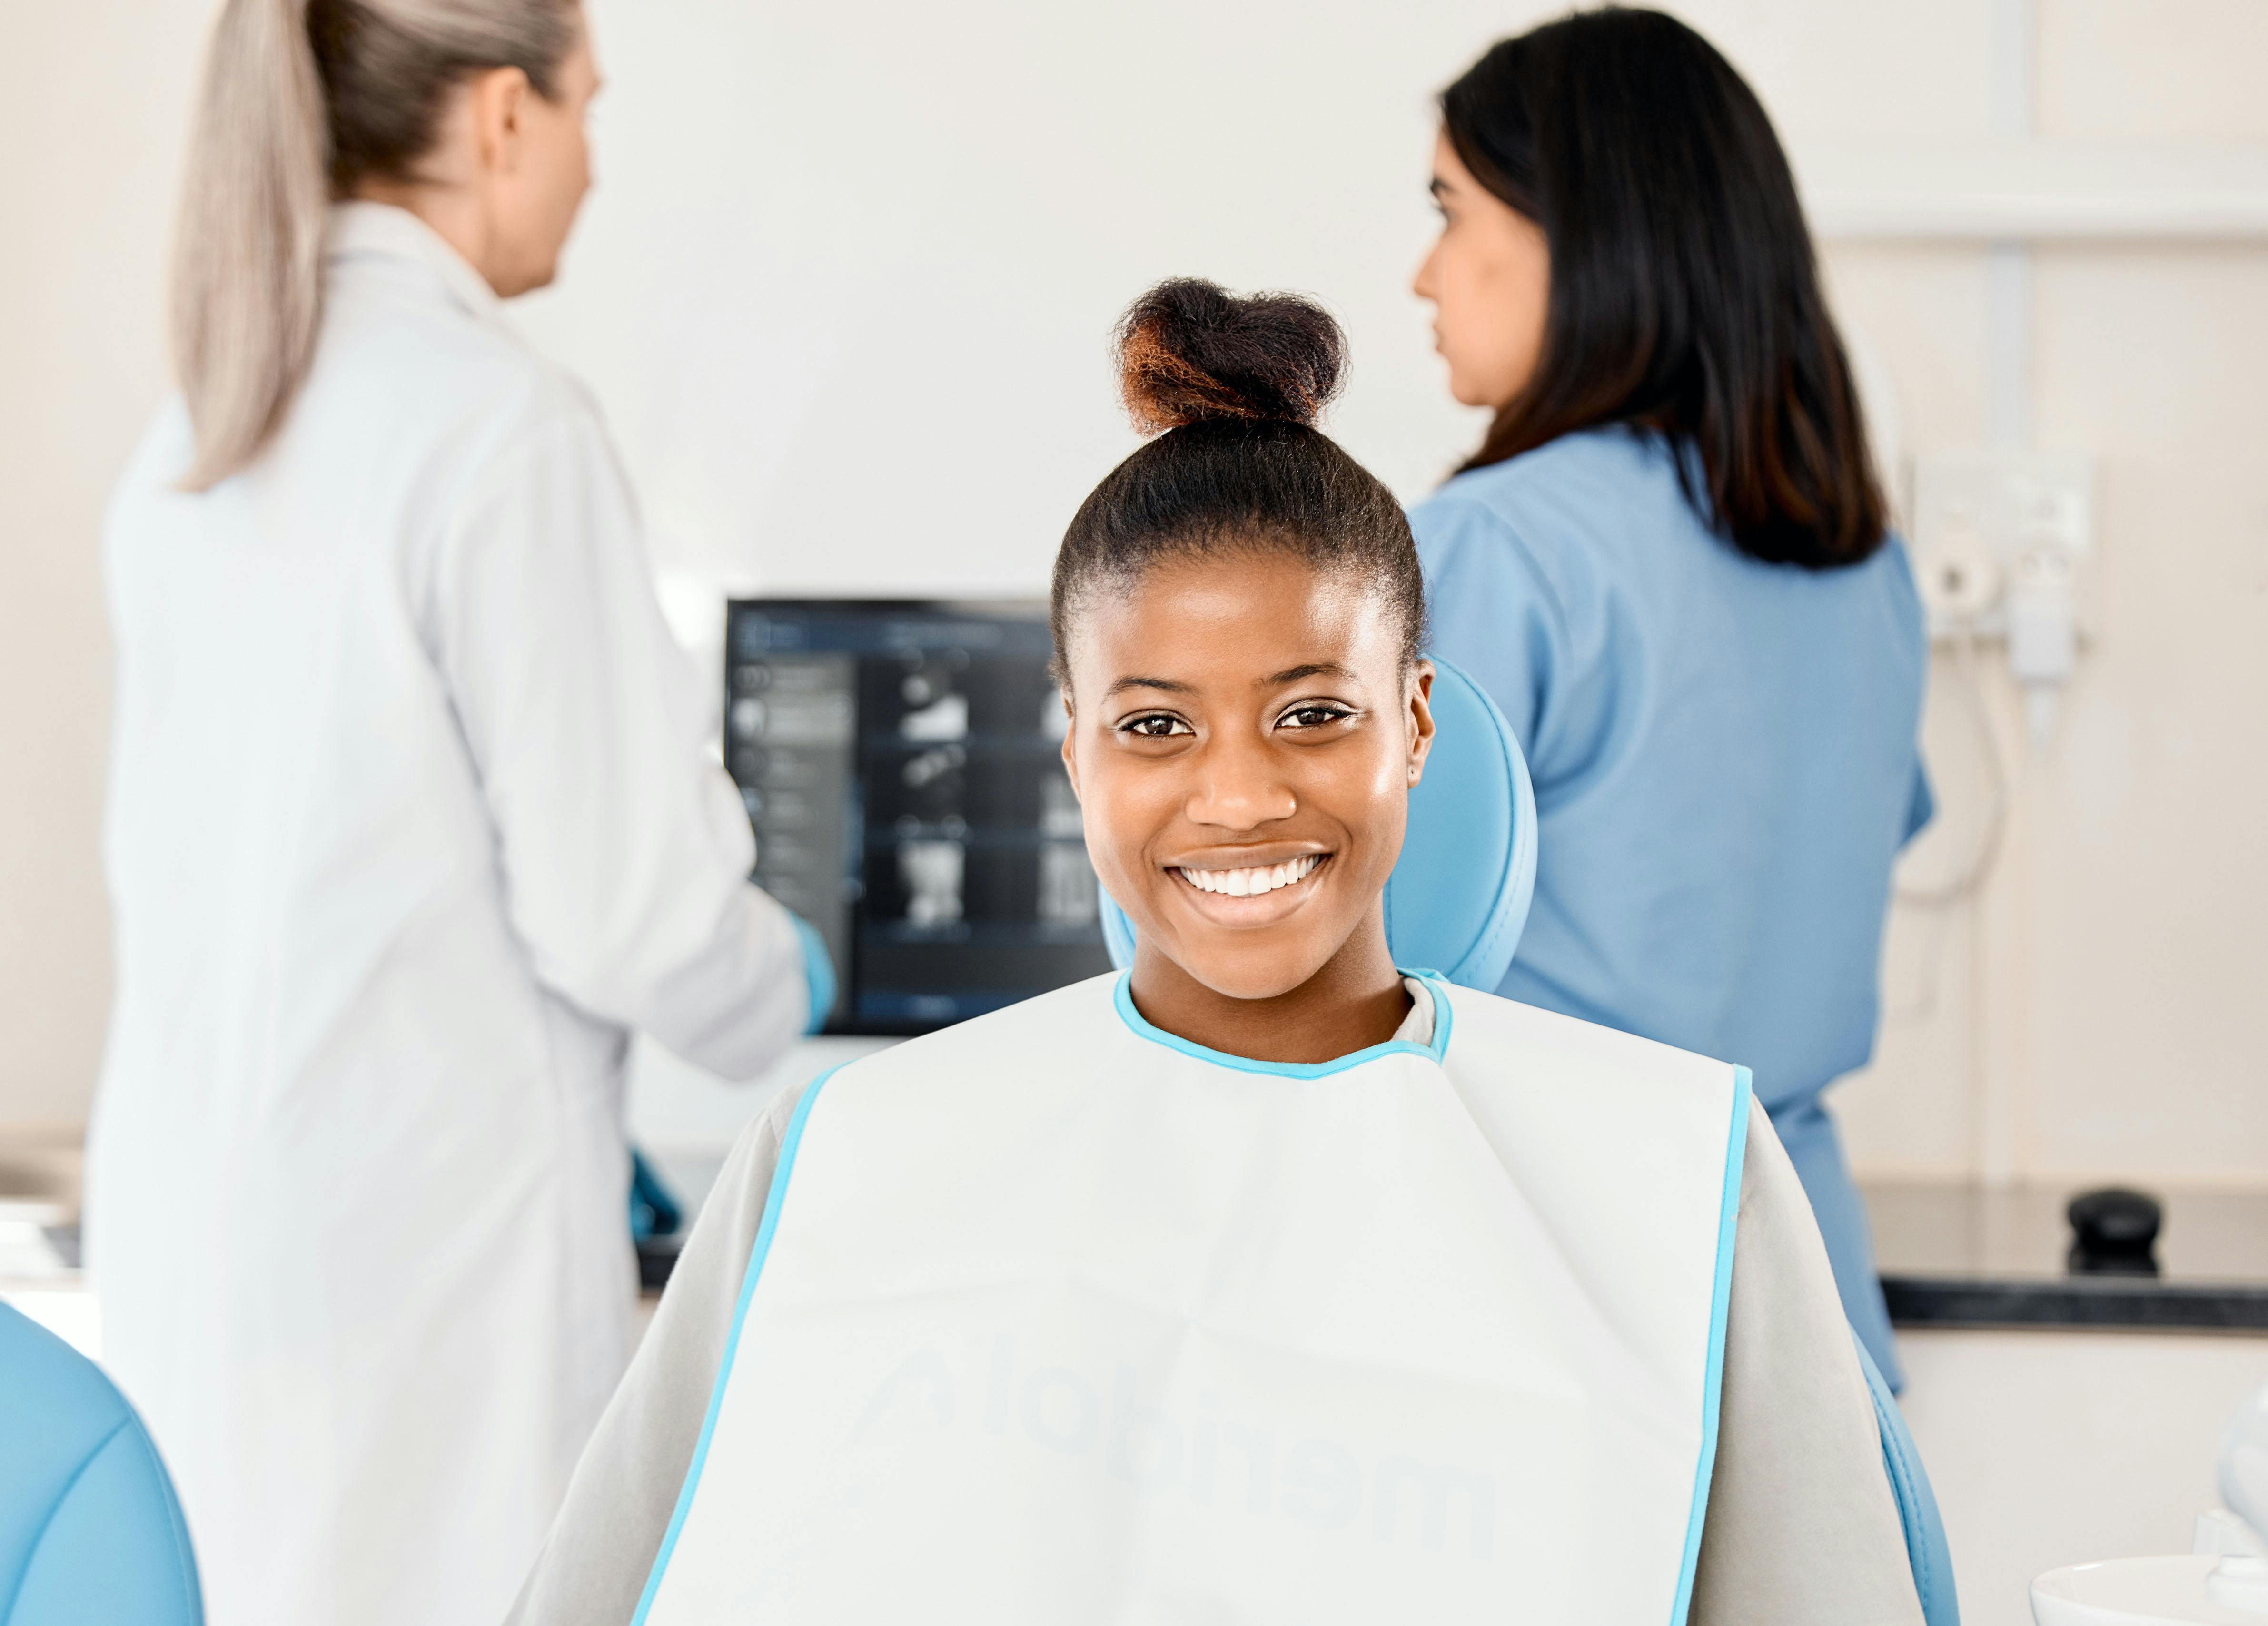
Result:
[{"x": 2054, "y": 1448}]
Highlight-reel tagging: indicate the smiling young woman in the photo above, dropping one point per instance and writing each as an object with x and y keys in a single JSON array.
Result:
[
  {"x": 1237, "y": 614},
  {"x": 1270, "y": 1281}
]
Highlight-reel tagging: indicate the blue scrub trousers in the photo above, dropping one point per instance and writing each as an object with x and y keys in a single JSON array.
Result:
[{"x": 1808, "y": 1132}]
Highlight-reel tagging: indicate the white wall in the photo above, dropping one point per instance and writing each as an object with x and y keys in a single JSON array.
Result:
[
  {"x": 2095, "y": 1014},
  {"x": 93, "y": 100},
  {"x": 843, "y": 293}
]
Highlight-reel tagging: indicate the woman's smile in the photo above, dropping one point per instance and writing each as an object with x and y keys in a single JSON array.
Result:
[{"x": 1230, "y": 893}]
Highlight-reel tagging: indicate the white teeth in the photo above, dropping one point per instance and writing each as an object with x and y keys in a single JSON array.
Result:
[{"x": 1250, "y": 883}]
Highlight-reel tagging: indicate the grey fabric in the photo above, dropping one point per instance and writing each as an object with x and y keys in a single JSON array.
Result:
[
  {"x": 594, "y": 1561},
  {"x": 1801, "y": 1531},
  {"x": 1801, "y": 1525}
]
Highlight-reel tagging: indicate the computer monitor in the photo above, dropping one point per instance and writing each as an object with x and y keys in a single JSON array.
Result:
[{"x": 899, "y": 761}]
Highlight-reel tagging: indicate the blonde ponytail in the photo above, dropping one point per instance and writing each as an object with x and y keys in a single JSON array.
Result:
[
  {"x": 279, "y": 132},
  {"x": 248, "y": 260}
]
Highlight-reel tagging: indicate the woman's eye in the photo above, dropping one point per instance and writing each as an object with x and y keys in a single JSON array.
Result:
[
  {"x": 1156, "y": 726},
  {"x": 1315, "y": 716}
]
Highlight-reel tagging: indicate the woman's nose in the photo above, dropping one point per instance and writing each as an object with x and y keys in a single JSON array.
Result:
[
  {"x": 1421, "y": 282},
  {"x": 1238, "y": 788}
]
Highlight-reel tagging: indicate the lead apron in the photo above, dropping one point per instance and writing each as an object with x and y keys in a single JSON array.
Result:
[{"x": 1054, "y": 1318}]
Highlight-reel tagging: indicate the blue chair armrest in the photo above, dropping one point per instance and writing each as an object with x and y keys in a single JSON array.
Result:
[{"x": 1925, "y": 1546}]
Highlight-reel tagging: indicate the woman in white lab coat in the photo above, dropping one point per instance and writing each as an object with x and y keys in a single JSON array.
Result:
[{"x": 410, "y": 825}]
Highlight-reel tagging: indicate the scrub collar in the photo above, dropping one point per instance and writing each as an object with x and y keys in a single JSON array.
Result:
[{"x": 363, "y": 230}]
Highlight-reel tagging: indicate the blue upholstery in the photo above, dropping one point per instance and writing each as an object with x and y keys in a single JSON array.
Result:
[
  {"x": 1473, "y": 811},
  {"x": 90, "y": 1532},
  {"x": 1925, "y": 1548}
]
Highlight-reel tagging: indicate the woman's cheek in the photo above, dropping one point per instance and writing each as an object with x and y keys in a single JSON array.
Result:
[
  {"x": 1117, "y": 825},
  {"x": 1386, "y": 815},
  {"x": 1470, "y": 334}
]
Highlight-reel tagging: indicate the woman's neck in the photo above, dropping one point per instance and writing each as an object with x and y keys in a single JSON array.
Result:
[
  {"x": 453, "y": 214},
  {"x": 1355, "y": 1001}
]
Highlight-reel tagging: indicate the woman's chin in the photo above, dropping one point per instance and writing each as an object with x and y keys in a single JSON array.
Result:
[
  {"x": 1470, "y": 386},
  {"x": 1467, "y": 393},
  {"x": 1238, "y": 973}
]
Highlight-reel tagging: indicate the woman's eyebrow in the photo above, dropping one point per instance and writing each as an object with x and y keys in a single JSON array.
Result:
[
  {"x": 1313, "y": 669},
  {"x": 1166, "y": 684}
]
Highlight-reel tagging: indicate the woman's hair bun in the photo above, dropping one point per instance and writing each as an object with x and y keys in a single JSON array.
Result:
[{"x": 1190, "y": 350}]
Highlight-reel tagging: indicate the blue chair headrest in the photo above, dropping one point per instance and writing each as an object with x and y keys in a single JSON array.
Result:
[{"x": 1459, "y": 892}]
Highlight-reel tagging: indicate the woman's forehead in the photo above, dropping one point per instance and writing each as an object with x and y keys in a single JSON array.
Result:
[{"x": 1233, "y": 622}]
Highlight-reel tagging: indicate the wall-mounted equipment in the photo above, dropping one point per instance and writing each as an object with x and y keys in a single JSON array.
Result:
[{"x": 2003, "y": 543}]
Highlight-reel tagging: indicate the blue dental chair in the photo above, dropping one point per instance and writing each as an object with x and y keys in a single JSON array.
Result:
[
  {"x": 1475, "y": 810},
  {"x": 90, "y": 1532}
]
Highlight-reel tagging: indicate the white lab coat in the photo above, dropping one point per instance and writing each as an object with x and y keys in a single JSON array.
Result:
[{"x": 410, "y": 824}]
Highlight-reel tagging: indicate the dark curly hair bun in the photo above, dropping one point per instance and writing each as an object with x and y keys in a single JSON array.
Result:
[
  {"x": 1191, "y": 351},
  {"x": 1239, "y": 383}
]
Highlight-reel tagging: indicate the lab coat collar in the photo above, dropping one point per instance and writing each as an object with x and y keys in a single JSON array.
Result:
[{"x": 362, "y": 228}]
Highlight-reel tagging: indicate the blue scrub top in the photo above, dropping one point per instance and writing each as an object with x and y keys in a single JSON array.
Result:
[{"x": 1725, "y": 766}]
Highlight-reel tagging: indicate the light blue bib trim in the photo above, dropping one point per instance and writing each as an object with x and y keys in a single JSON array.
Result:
[
  {"x": 1712, "y": 1383},
  {"x": 1122, "y": 996},
  {"x": 789, "y": 1144}
]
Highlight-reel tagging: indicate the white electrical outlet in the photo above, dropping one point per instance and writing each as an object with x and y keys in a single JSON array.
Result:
[{"x": 1984, "y": 519}]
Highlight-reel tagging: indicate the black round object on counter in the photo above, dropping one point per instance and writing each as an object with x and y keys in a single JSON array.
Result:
[{"x": 2114, "y": 1232}]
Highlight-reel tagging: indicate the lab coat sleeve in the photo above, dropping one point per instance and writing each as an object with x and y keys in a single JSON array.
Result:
[
  {"x": 624, "y": 848},
  {"x": 1801, "y": 1527},
  {"x": 601, "y": 1549}
]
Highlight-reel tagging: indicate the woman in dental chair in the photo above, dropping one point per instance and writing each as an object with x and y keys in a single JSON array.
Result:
[{"x": 1270, "y": 1281}]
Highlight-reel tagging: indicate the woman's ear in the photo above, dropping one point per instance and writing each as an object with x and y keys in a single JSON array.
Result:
[
  {"x": 1421, "y": 718},
  {"x": 499, "y": 103},
  {"x": 1069, "y": 741}
]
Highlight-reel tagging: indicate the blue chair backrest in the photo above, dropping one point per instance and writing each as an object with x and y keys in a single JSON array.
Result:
[
  {"x": 90, "y": 1530},
  {"x": 1459, "y": 895},
  {"x": 1455, "y": 903}
]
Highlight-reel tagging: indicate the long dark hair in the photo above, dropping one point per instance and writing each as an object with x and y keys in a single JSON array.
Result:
[
  {"x": 1684, "y": 297},
  {"x": 1232, "y": 388}
]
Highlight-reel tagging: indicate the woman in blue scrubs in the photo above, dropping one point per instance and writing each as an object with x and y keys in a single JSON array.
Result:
[{"x": 1667, "y": 561}]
